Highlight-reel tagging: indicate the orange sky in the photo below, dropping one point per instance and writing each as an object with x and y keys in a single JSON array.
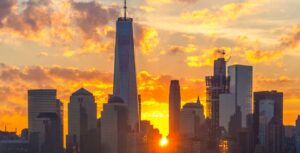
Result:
[{"x": 66, "y": 45}]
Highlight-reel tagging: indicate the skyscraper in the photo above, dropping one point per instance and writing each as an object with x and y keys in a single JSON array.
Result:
[
  {"x": 42, "y": 101},
  {"x": 125, "y": 85},
  {"x": 215, "y": 86},
  {"x": 174, "y": 109},
  {"x": 81, "y": 102},
  {"x": 114, "y": 126},
  {"x": 266, "y": 113},
  {"x": 241, "y": 77},
  {"x": 268, "y": 106}
]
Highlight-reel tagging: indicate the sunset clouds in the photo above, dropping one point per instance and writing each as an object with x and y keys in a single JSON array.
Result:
[
  {"x": 68, "y": 44},
  {"x": 225, "y": 13}
]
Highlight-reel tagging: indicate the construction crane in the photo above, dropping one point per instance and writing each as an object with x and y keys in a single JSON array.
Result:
[{"x": 223, "y": 53}]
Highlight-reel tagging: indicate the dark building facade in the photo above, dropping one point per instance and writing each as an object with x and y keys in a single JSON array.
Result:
[
  {"x": 14, "y": 146},
  {"x": 115, "y": 130},
  {"x": 53, "y": 133},
  {"x": 274, "y": 130},
  {"x": 174, "y": 109}
]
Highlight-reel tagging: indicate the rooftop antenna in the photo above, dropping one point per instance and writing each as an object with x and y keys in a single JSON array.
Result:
[
  {"x": 198, "y": 100},
  {"x": 125, "y": 9}
]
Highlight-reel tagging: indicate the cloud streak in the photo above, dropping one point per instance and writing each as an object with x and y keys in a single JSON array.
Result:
[
  {"x": 226, "y": 13},
  {"x": 286, "y": 43}
]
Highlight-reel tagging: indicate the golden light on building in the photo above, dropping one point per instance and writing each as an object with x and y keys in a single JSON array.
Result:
[{"x": 223, "y": 146}]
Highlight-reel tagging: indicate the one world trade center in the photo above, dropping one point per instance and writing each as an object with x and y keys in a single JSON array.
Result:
[{"x": 125, "y": 85}]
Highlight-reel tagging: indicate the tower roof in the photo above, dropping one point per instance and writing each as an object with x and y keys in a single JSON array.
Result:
[{"x": 82, "y": 92}]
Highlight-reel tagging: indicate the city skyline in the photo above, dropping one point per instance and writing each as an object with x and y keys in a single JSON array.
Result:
[{"x": 73, "y": 68}]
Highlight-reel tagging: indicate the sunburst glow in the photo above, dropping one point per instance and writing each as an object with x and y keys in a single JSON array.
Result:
[{"x": 164, "y": 142}]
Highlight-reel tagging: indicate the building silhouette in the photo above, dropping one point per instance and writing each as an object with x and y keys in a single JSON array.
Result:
[
  {"x": 114, "y": 126},
  {"x": 10, "y": 142},
  {"x": 42, "y": 101},
  {"x": 53, "y": 133},
  {"x": 149, "y": 138},
  {"x": 82, "y": 117},
  {"x": 268, "y": 121},
  {"x": 215, "y": 86},
  {"x": 174, "y": 109},
  {"x": 14, "y": 146},
  {"x": 191, "y": 120}
]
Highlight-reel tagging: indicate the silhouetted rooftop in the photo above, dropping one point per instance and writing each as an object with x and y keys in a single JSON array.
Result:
[
  {"x": 82, "y": 92},
  {"x": 192, "y": 105}
]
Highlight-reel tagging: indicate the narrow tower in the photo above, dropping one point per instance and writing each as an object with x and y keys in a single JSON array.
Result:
[
  {"x": 174, "y": 109},
  {"x": 125, "y": 85}
]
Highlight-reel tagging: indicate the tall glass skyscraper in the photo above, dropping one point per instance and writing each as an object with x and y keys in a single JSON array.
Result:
[
  {"x": 241, "y": 77},
  {"x": 125, "y": 85}
]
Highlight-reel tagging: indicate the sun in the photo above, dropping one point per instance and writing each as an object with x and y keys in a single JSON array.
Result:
[{"x": 163, "y": 142}]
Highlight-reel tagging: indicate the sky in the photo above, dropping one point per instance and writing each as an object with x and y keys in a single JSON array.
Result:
[{"x": 66, "y": 45}]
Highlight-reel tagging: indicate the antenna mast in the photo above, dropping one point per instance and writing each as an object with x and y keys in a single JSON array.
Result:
[{"x": 125, "y": 9}]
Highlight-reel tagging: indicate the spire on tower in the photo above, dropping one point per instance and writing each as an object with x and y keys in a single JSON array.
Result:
[
  {"x": 125, "y": 9},
  {"x": 198, "y": 100}
]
